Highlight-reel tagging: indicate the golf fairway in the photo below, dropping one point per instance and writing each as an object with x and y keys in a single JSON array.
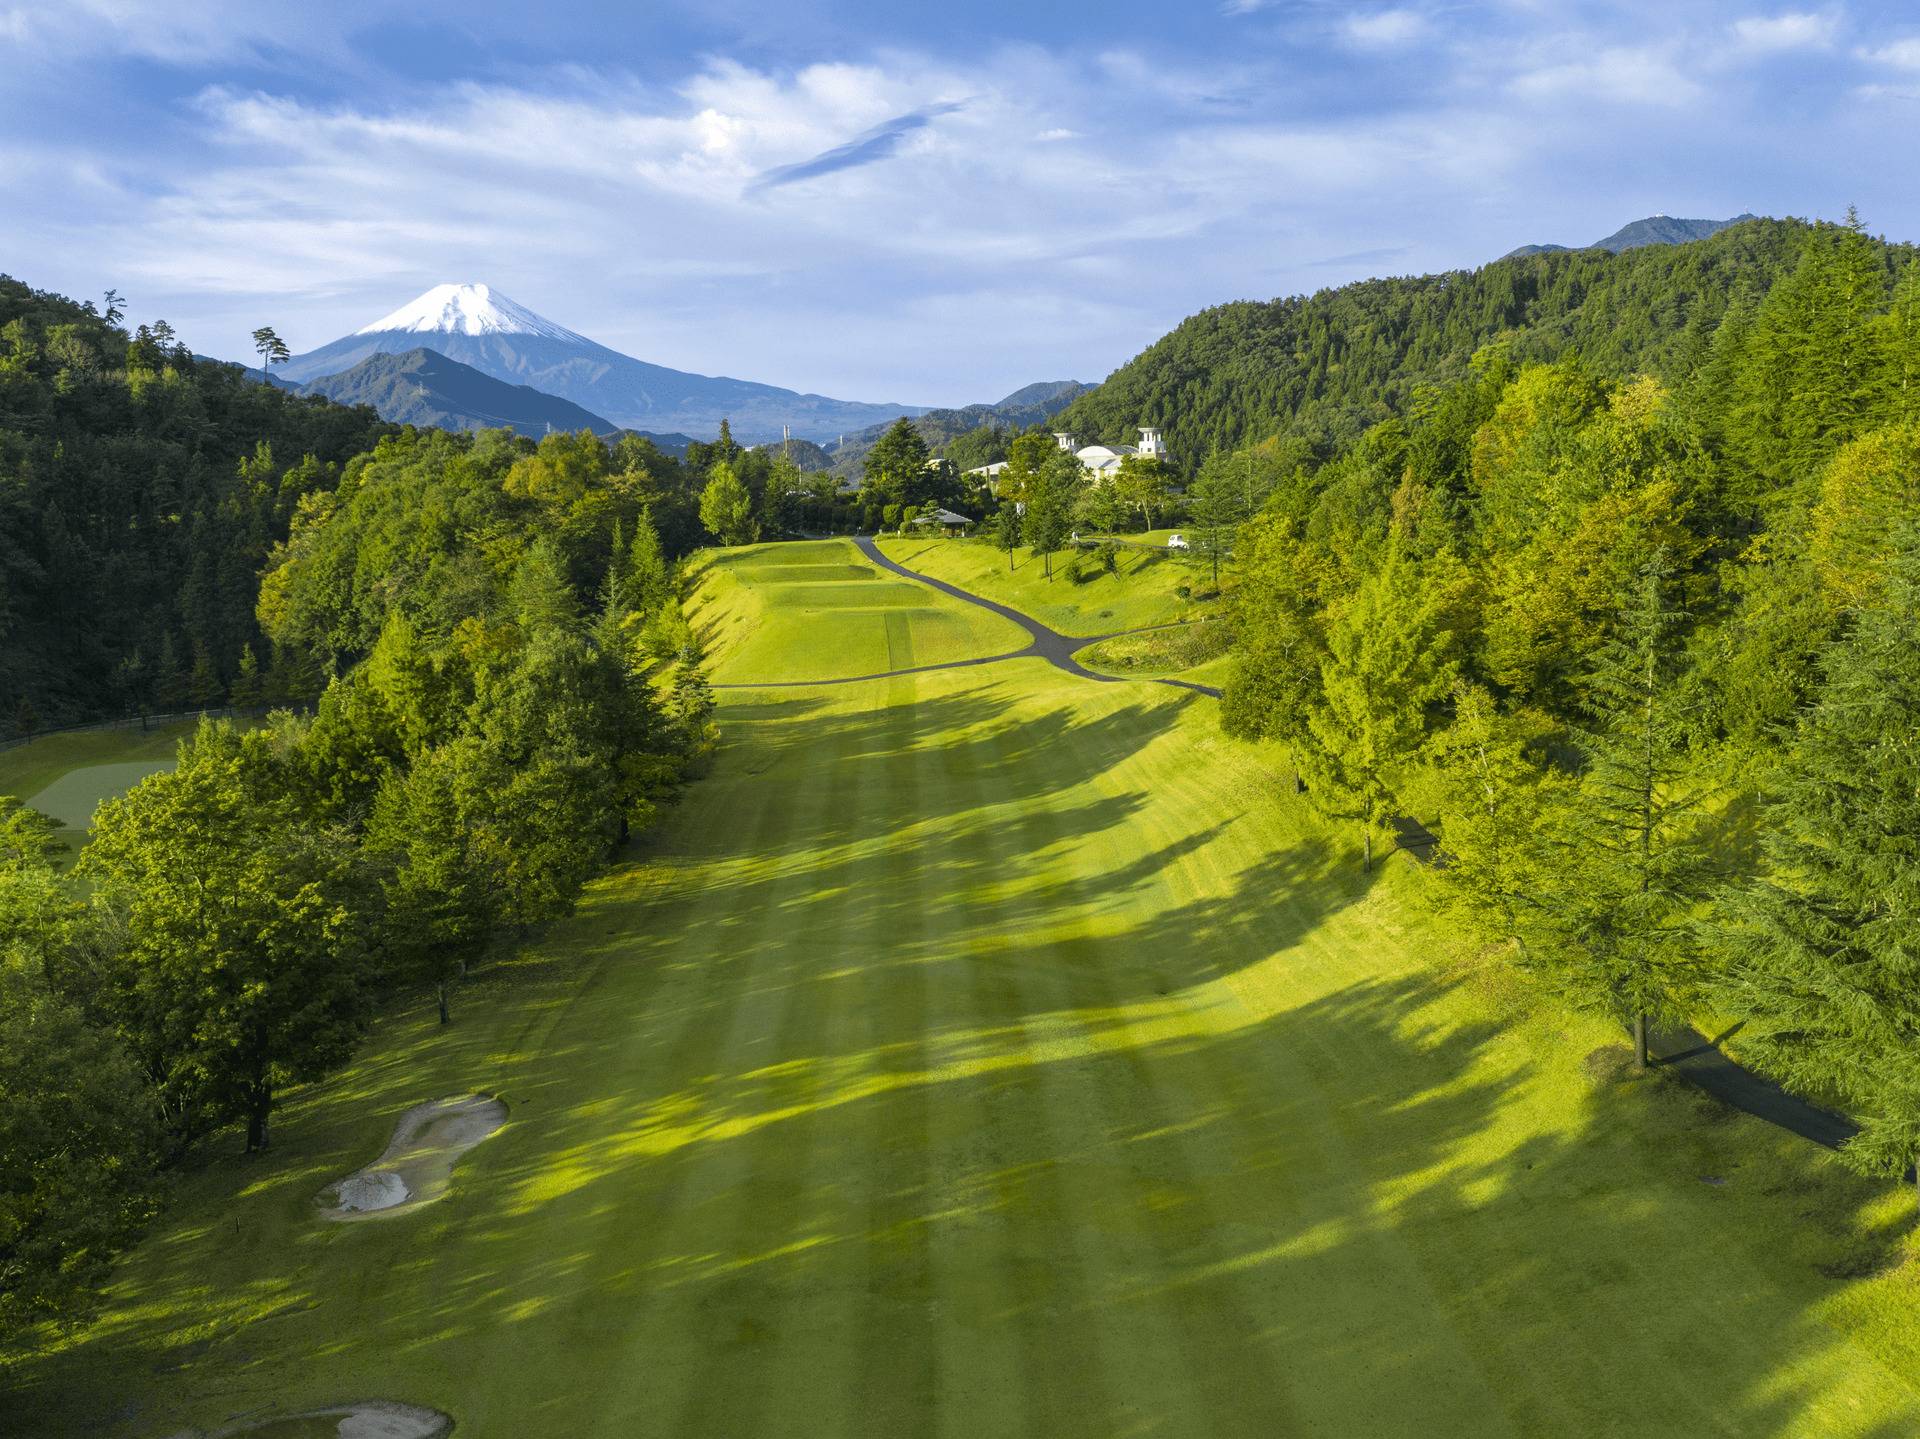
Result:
[{"x": 995, "y": 1052}]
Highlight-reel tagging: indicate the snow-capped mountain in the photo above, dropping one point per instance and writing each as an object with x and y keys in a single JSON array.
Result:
[
  {"x": 479, "y": 326},
  {"x": 468, "y": 310}
]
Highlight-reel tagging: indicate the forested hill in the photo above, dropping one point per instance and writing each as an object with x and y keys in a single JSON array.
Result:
[
  {"x": 141, "y": 489},
  {"x": 1325, "y": 367}
]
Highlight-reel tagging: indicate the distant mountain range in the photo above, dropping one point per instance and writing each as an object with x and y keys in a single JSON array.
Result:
[
  {"x": 1030, "y": 405},
  {"x": 1654, "y": 230},
  {"x": 424, "y": 387},
  {"x": 483, "y": 329}
]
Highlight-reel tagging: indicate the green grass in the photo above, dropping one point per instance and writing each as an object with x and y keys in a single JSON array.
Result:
[
  {"x": 994, "y": 1052},
  {"x": 29, "y": 769},
  {"x": 1194, "y": 651},
  {"x": 1142, "y": 592},
  {"x": 818, "y": 610}
]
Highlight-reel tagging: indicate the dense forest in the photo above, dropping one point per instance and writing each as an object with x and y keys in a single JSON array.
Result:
[
  {"x": 143, "y": 490},
  {"x": 1646, "y": 651},
  {"x": 1324, "y": 367},
  {"x": 140, "y": 492}
]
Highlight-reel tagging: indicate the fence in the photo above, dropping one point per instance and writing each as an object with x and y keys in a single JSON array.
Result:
[{"x": 150, "y": 721}]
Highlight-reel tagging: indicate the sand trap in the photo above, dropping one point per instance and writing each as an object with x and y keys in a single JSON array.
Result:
[
  {"x": 417, "y": 1164},
  {"x": 369, "y": 1419}
]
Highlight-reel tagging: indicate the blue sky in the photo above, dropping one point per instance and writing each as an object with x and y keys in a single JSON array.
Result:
[{"x": 881, "y": 201}]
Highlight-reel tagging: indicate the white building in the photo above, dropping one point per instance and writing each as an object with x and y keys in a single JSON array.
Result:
[{"x": 1102, "y": 462}]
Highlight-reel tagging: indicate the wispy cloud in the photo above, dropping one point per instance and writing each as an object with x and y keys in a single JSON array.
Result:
[
  {"x": 879, "y": 143},
  {"x": 1385, "y": 27},
  {"x": 1899, "y": 54},
  {"x": 1638, "y": 76},
  {"x": 1778, "y": 34}
]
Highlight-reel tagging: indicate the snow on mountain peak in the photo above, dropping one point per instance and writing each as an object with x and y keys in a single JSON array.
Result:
[{"x": 467, "y": 310}]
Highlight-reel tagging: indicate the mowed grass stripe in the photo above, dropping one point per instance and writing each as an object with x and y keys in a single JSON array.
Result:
[
  {"x": 1173, "y": 1355},
  {"x": 1137, "y": 1353},
  {"x": 896, "y": 1386},
  {"x": 707, "y": 1220},
  {"x": 980, "y": 1347},
  {"x": 816, "y": 1363}
]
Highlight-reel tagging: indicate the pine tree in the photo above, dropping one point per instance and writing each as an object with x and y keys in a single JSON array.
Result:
[
  {"x": 1391, "y": 655},
  {"x": 246, "y": 688},
  {"x": 1824, "y": 949},
  {"x": 1618, "y": 905},
  {"x": 1494, "y": 795},
  {"x": 1899, "y": 351}
]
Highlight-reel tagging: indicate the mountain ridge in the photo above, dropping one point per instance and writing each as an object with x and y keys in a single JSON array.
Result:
[
  {"x": 478, "y": 326},
  {"x": 1637, "y": 234},
  {"x": 423, "y": 387}
]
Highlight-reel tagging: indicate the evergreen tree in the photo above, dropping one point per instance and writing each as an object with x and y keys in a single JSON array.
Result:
[
  {"x": 1391, "y": 656},
  {"x": 1632, "y": 867},
  {"x": 1823, "y": 949},
  {"x": 896, "y": 467}
]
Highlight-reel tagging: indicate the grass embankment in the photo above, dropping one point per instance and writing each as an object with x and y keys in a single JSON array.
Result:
[
  {"x": 818, "y": 610},
  {"x": 1144, "y": 589},
  {"x": 988, "y": 1052}
]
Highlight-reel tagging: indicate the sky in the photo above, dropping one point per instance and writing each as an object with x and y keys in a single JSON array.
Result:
[{"x": 932, "y": 204}]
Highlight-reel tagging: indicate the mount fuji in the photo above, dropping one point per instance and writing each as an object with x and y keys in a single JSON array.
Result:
[{"x": 478, "y": 326}]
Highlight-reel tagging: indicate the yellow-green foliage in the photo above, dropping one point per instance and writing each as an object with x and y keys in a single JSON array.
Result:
[{"x": 1144, "y": 590}]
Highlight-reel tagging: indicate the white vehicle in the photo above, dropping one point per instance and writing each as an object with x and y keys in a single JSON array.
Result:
[{"x": 1176, "y": 542}]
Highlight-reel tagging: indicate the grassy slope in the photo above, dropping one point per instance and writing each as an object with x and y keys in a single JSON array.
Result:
[
  {"x": 818, "y": 610},
  {"x": 991, "y": 1052},
  {"x": 1141, "y": 593},
  {"x": 30, "y": 768}
]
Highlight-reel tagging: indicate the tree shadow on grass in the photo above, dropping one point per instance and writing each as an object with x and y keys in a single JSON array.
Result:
[{"x": 995, "y": 1087}]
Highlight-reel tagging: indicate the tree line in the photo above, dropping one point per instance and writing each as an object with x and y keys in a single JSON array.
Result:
[
  {"x": 1648, "y": 651},
  {"x": 514, "y": 692}
]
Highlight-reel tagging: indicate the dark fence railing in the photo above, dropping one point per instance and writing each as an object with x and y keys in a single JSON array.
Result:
[{"x": 156, "y": 721}]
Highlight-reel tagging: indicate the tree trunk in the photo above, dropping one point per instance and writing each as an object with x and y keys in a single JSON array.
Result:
[
  {"x": 1366, "y": 850},
  {"x": 1640, "y": 1040},
  {"x": 259, "y": 1106},
  {"x": 444, "y": 1016}
]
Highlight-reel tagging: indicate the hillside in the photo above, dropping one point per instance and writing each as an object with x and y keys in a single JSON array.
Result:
[
  {"x": 1654, "y": 230},
  {"x": 141, "y": 489},
  {"x": 1324, "y": 367},
  {"x": 1033, "y": 404},
  {"x": 423, "y": 387}
]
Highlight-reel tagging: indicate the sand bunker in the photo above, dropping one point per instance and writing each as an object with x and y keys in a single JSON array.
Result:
[
  {"x": 369, "y": 1419},
  {"x": 417, "y": 1164}
]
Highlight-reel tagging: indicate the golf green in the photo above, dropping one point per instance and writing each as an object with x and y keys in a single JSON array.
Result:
[{"x": 991, "y": 1051}]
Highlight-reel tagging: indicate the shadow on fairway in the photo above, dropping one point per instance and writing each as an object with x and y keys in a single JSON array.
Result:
[{"x": 967, "y": 1089}]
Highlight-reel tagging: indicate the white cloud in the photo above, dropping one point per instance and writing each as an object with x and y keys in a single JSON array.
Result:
[
  {"x": 1776, "y": 34},
  {"x": 1615, "y": 75},
  {"x": 1385, "y": 27},
  {"x": 1901, "y": 54}
]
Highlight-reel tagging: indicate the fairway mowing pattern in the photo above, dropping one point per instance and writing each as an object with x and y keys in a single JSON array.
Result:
[
  {"x": 993, "y": 1052},
  {"x": 819, "y": 611}
]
